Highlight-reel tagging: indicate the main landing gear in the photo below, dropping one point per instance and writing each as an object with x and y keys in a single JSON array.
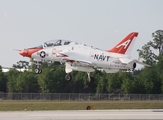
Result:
[
  {"x": 90, "y": 78},
  {"x": 38, "y": 69},
  {"x": 68, "y": 77}
]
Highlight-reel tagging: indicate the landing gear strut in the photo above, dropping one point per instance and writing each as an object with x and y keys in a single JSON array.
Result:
[
  {"x": 90, "y": 79},
  {"x": 38, "y": 69}
]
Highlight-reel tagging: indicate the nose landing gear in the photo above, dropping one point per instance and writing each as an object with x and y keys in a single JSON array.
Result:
[{"x": 38, "y": 69}]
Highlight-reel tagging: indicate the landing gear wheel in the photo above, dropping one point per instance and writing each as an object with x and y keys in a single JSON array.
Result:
[
  {"x": 68, "y": 77},
  {"x": 38, "y": 71}
]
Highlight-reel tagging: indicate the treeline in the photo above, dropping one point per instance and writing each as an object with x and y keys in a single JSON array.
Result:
[
  {"x": 148, "y": 80},
  {"x": 145, "y": 81}
]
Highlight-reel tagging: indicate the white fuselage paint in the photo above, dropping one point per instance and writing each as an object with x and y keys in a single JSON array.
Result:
[{"x": 86, "y": 55}]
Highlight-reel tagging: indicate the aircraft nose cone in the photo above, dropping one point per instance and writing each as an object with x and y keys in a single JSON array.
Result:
[
  {"x": 28, "y": 52},
  {"x": 23, "y": 52}
]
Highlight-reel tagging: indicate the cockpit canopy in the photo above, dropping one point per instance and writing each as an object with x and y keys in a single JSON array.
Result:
[{"x": 56, "y": 43}]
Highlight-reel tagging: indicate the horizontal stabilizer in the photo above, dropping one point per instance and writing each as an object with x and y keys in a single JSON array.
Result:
[
  {"x": 142, "y": 63},
  {"x": 127, "y": 61}
]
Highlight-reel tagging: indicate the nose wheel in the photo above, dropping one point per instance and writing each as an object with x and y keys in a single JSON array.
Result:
[{"x": 38, "y": 71}]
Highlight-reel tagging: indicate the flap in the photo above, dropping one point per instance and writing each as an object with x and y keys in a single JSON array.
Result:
[{"x": 142, "y": 63}]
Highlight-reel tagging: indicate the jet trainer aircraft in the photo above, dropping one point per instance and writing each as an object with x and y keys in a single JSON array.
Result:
[{"x": 80, "y": 57}]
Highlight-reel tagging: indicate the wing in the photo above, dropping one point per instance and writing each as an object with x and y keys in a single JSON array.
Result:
[
  {"x": 76, "y": 61},
  {"x": 74, "y": 57}
]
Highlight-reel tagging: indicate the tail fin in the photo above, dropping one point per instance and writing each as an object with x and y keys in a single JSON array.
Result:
[{"x": 125, "y": 45}]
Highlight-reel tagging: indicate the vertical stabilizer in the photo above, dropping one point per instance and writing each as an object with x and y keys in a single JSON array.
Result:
[{"x": 125, "y": 45}]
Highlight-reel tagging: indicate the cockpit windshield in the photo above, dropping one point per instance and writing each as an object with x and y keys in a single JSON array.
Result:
[{"x": 56, "y": 43}]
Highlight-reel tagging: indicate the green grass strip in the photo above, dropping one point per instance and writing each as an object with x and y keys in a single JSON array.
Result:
[{"x": 77, "y": 105}]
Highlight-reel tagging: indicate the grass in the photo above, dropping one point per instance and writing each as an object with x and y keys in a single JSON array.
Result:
[{"x": 77, "y": 105}]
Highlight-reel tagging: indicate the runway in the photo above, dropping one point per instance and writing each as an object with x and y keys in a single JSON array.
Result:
[{"x": 83, "y": 115}]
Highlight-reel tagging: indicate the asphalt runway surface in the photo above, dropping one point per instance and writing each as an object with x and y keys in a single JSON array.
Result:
[{"x": 153, "y": 114}]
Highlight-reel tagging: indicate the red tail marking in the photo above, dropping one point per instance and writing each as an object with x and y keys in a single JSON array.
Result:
[{"x": 123, "y": 45}]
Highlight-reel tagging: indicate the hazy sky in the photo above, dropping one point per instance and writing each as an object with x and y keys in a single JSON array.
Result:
[{"x": 99, "y": 23}]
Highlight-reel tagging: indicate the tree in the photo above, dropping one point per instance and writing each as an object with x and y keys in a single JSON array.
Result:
[
  {"x": 21, "y": 64},
  {"x": 127, "y": 86},
  {"x": 27, "y": 82},
  {"x": 78, "y": 83},
  {"x": 128, "y": 82},
  {"x": 148, "y": 56},
  {"x": 159, "y": 70},
  {"x": 114, "y": 83},
  {"x": 147, "y": 53},
  {"x": 3, "y": 81},
  {"x": 148, "y": 82},
  {"x": 11, "y": 75},
  {"x": 157, "y": 41}
]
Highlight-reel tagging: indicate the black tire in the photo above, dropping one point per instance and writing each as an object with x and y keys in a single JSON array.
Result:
[
  {"x": 37, "y": 71},
  {"x": 68, "y": 77},
  {"x": 40, "y": 71}
]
